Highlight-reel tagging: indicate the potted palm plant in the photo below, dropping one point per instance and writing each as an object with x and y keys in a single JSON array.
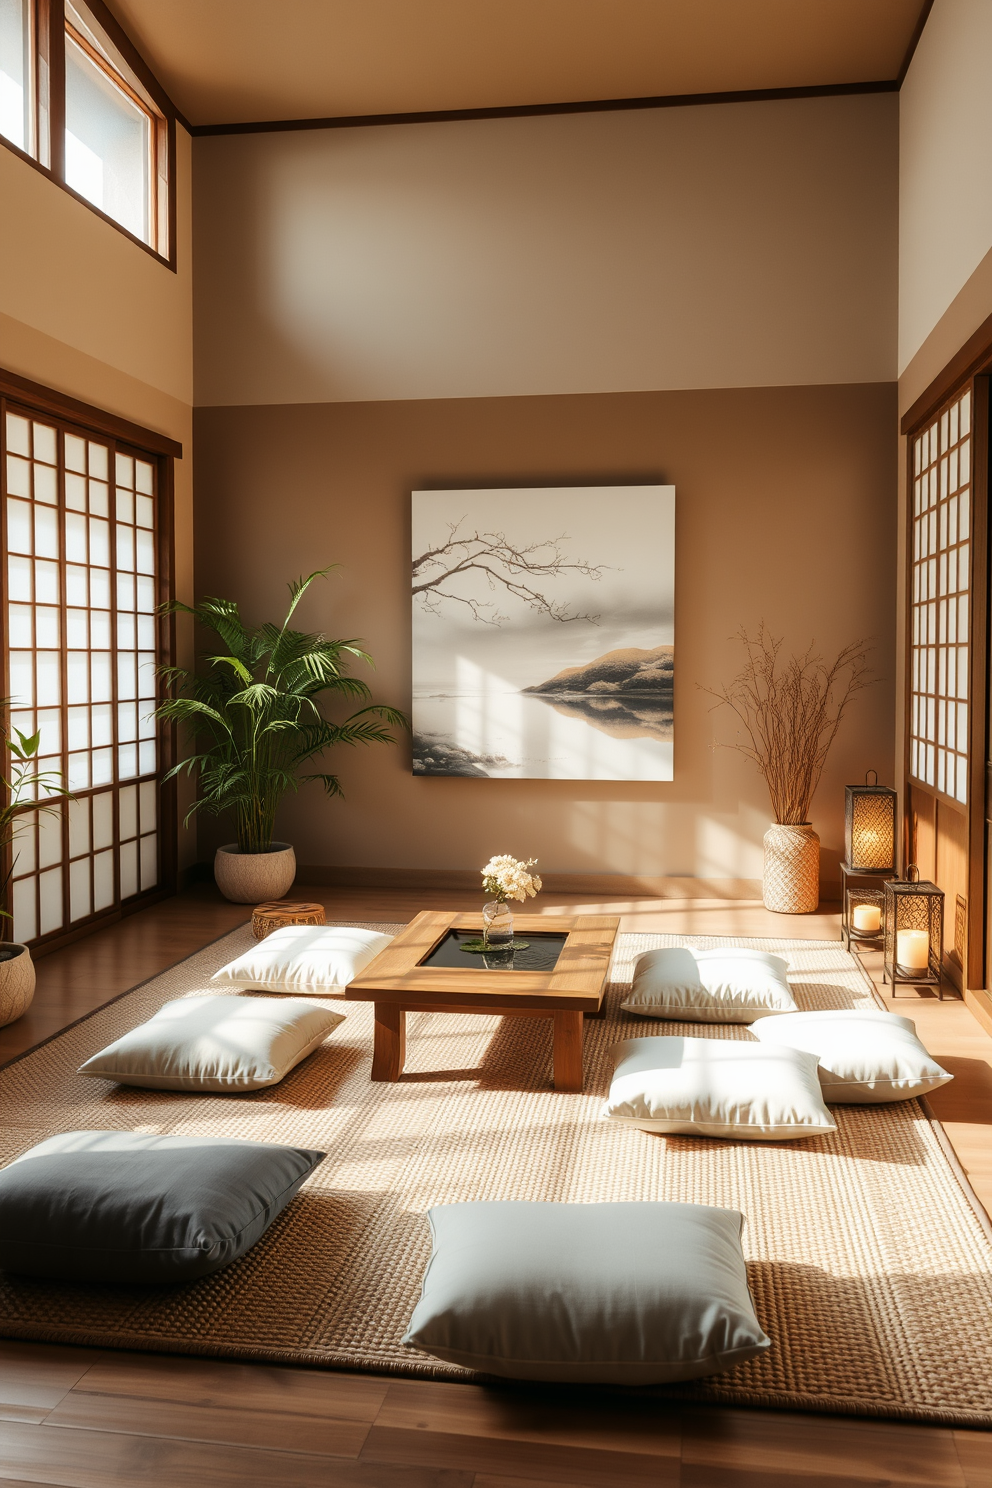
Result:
[
  {"x": 255, "y": 714},
  {"x": 790, "y": 711},
  {"x": 23, "y": 789}
]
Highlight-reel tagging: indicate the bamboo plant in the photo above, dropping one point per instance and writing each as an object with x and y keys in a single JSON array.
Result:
[
  {"x": 790, "y": 711},
  {"x": 255, "y": 714},
  {"x": 24, "y": 789}
]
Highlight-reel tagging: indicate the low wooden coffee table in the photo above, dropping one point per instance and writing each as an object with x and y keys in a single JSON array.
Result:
[{"x": 398, "y": 984}]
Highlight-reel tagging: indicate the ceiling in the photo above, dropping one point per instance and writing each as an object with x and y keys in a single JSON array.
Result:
[{"x": 228, "y": 61}]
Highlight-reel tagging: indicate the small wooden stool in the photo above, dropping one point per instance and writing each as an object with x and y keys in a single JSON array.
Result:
[{"x": 277, "y": 913}]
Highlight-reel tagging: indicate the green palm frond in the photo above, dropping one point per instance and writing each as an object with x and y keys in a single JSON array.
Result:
[{"x": 254, "y": 712}]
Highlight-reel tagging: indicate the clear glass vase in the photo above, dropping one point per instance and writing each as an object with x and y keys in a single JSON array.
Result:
[{"x": 497, "y": 925}]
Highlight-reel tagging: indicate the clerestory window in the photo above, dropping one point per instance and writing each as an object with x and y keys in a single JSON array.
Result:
[{"x": 78, "y": 102}]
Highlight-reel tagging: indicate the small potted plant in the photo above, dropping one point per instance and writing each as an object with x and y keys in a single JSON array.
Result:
[
  {"x": 505, "y": 878},
  {"x": 24, "y": 789},
  {"x": 790, "y": 712},
  {"x": 255, "y": 712}
]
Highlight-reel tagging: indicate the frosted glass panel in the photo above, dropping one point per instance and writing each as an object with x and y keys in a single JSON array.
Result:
[
  {"x": 129, "y": 869},
  {"x": 103, "y": 820},
  {"x": 15, "y": 82},
  {"x": 128, "y": 819},
  {"x": 103, "y": 766},
  {"x": 46, "y": 532},
  {"x": 19, "y": 576},
  {"x": 77, "y": 590},
  {"x": 149, "y": 861},
  {"x": 75, "y": 492},
  {"x": 22, "y": 677},
  {"x": 49, "y": 687},
  {"x": 49, "y": 838},
  {"x": 25, "y": 847},
  {"x": 149, "y": 805},
  {"x": 50, "y": 893},
  {"x": 18, "y": 434},
  {"x": 25, "y": 913},
  {"x": 79, "y": 827},
  {"x": 103, "y": 881},
  {"x": 77, "y": 630},
  {"x": 47, "y": 627},
  {"x": 107, "y": 144},
  {"x": 80, "y": 898},
  {"x": 19, "y": 527},
  {"x": 20, "y": 627},
  {"x": 100, "y": 676},
  {"x": 102, "y": 723}
]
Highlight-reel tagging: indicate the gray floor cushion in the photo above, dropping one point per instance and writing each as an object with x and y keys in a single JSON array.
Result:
[
  {"x": 630, "y": 1294},
  {"x": 125, "y": 1207}
]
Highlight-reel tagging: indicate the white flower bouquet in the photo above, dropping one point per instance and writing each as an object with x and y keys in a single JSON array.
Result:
[{"x": 506, "y": 878}]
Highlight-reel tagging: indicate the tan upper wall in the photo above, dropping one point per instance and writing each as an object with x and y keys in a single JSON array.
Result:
[
  {"x": 88, "y": 313},
  {"x": 68, "y": 274},
  {"x": 945, "y": 167},
  {"x": 719, "y": 246}
]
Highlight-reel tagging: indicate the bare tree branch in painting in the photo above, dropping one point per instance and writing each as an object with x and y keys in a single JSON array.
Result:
[{"x": 503, "y": 564}]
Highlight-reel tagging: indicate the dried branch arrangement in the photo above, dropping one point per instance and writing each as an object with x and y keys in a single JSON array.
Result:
[{"x": 790, "y": 711}]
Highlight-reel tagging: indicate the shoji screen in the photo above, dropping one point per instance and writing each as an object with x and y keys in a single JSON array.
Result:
[
  {"x": 83, "y": 644},
  {"x": 941, "y": 537}
]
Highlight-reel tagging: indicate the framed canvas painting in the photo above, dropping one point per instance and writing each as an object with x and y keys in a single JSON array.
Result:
[{"x": 543, "y": 633}]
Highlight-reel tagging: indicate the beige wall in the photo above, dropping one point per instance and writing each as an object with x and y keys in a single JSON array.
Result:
[
  {"x": 785, "y": 512},
  {"x": 945, "y": 168},
  {"x": 88, "y": 313},
  {"x": 720, "y": 246}
]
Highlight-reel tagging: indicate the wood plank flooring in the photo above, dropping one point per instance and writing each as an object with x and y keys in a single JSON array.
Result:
[{"x": 89, "y": 1418}]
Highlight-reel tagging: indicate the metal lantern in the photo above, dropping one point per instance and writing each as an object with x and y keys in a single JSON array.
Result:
[
  {"x": 863, "y": 918},
  {"x": 870, "y": 827},
  {"x": 914, "y": 931}
]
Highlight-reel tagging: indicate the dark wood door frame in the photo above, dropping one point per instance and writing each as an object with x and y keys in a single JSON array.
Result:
[{"x": 971, "y": 367}]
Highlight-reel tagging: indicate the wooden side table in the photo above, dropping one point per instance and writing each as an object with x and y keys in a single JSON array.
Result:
[{"x": 277, "y": 913}]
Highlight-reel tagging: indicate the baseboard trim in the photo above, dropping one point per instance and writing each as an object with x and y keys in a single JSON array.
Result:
[
  {"x": 610, "y": 885},
  {"x": 979, "y": 1004}
]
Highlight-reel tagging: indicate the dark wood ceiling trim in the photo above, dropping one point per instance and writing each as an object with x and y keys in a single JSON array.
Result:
[
  {"x": 974, "y": 356},
  {"x": 914, "y": 40},
  {"x": 135, "y": 60},
  {"x": 531, "y": 110},
  {"x": 46, "y": 400}
]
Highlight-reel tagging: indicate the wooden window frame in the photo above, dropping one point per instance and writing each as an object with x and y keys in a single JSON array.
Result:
[
  {"x": 49, "y": 24},
  {"x": 42, "y": 402},
  {"x": 970, "y": 370}
]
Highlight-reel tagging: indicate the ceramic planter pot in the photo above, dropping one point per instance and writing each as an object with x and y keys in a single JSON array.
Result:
[
  {"x": 791, "y": 880},
  {"x": 16, "y": 981},
  {"x": 250, "y": 878}
]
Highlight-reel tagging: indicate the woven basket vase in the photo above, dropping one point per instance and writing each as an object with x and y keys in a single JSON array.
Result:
[{"x": 791, "y": 881}]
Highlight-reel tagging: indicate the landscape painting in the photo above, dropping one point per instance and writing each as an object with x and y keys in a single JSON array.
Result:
[{"x": 544, "y": 633}]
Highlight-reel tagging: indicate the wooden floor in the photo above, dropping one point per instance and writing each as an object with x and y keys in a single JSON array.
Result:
[{"x": 88, "y": 1418}]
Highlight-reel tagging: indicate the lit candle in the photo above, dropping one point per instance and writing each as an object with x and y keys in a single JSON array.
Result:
[
  {"x": 913, "y": 949},
  {"x": 867, "y": 918}
]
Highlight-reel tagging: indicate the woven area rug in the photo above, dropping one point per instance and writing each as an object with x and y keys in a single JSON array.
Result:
[{"x": 870, "y": 1269}]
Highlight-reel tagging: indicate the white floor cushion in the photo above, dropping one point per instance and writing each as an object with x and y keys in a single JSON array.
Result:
[
  {"x": 866, "y": 1057},
  {"x": 619, "y": 1293},
  {"x": 309, "y": 960},
  {"x": 686, "y": 985},
  {"x": 216, "y": 1043},
  {"x": 714, "y": 1087}
]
